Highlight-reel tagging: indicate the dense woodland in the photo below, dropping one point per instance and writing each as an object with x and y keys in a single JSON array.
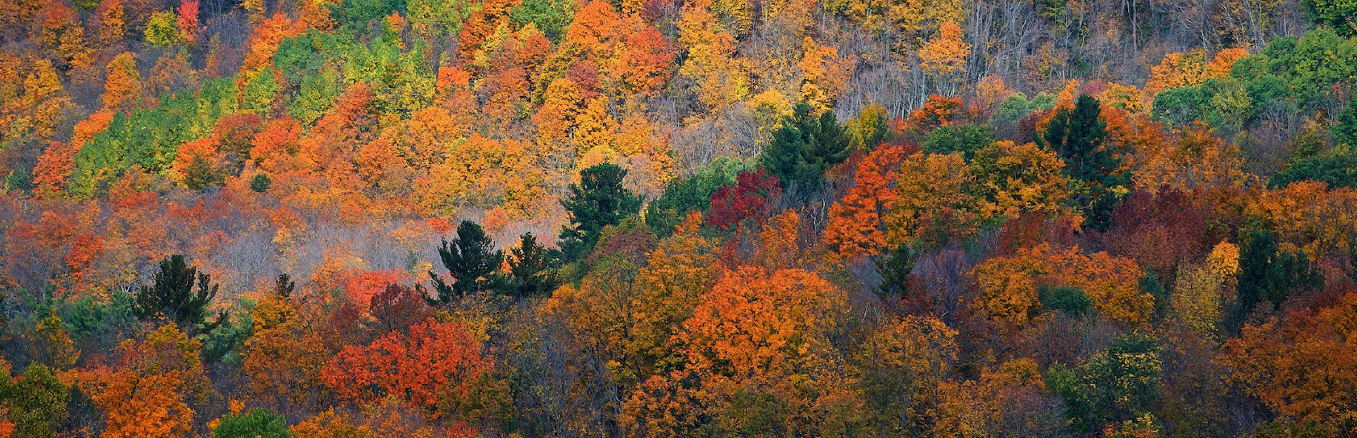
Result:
[{"x": 678, "y": 218}]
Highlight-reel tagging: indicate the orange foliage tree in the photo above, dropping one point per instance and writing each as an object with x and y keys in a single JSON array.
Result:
[
  {"x": 435, "y": 359},
  {"x": 144, "y": 390},
  {"x": 1298, "y": 365},
  {"x": 1009, "y": 285},
  {"x": 764, "y": 333}
]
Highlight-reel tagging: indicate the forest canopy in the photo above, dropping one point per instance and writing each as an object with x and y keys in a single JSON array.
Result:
[{"x": 675, "y": 218}]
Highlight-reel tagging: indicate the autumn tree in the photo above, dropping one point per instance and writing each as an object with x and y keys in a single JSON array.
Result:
[
  {"x": 146, "y": 387},
  {"x": 1295, "y": 365},
  {"x": 435, "y": 359},
  {"x": 680, "y": 269},
  {"x": 471, "y": 262},
  {"x": 856, "y": 225},
  {"x": 803, "y": 149},
  {"x": 283, "y": 358},
  {"x": 599, "y": 200},
  {"x": 1201, "y": 293},
  {"x": 934, "y": 201},
  {"x": 903, "y": 362},
  {"x": 1015, "y": 179},
  {"x": 109, "y": 23},
  {"x": 944, "y": 56},
  {"x": 1010, "y": 287},
  {"x": 753, "y": 196},
  {"x": 171, "y": 297},
  {"x": 758, "y": 343},
  {"x": 122, "y": 89}
]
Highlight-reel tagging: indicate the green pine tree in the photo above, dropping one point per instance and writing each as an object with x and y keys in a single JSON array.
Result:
[
  {"x": 531, "y": 268},
  {"x": 172, "y": 297},
  {"x": 470, "y": 261},
  {"x": 599, "y": 200},
  {"x": 803, "y": 149}
]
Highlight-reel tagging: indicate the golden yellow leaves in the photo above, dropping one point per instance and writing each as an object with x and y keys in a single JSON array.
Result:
[
  {"x": 1015, "y": 179},
  {"x": 945, "y": 53},
  {"x": 933, "y": 194},
  {"x": 1190, "y": 68},
  {"x": 1201, "y": 292}
]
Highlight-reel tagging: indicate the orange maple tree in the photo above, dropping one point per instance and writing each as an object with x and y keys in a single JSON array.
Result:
[{"x": 419, "y": 366}]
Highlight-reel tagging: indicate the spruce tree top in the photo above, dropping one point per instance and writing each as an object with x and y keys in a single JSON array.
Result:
[{"x": 599, "y": 200}]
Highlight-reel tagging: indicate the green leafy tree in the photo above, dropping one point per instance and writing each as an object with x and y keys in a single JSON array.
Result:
[
  {"x": 257, "y": 423},
  {"x": 260, "y": 183},
  {"x": 895, "y": 267},
  {"x": 472, "y": 263},
  {"x": 551, "y": 17},
  {"x": 1345, "y": 127},
  {"x": 958, "y": 138},
  {"x": 1338, "y": 14},
  {"x": 1113, "y": 386},
  {"x": 162, "y": 29},
  {"x": 1013, "y": 108},
  {"x": 599, "y": 200},
  {"x": 689, "y": 194},
  {"x": 357, "y": 13},
  {"x": 172, "y": 297},
  {"x": 531, "y": 268},
  {"x": 1337, "y": 168},
  {"x": 803, "y": 148},
  {"x": 1077, "y": 136},
  {"x": 36, "y": 402},
  {"x": 1071, "y": 300},
  {"x": 200, "y": 175}
]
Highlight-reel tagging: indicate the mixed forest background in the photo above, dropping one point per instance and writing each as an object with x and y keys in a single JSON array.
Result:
[{"x": 673, "y": 218}]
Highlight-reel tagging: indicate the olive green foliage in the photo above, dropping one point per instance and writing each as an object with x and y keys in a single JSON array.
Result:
[
  {"x": 1113, "y": 386},
  {"x": 1071, "y": 300},
  {"x": 965, "y": 139},
  {"x": 36, "y": 401},
  {"x": 549, "y": 16},
  {"x": 257, "y": 423}
]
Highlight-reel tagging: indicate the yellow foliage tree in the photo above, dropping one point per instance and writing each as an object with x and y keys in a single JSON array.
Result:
[
  {"x": 1201, "y": 292},
  {"x": 934, "y": 195},
  {"x": 122, "y": 89}
]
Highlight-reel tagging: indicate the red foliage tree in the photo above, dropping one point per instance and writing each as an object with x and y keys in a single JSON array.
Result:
[{"x": 753, "y": 195}]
